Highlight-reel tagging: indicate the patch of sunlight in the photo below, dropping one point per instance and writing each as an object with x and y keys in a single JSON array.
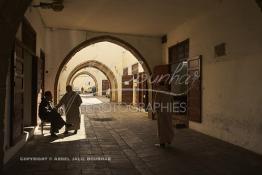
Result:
[
  {"x": 81, "y": 134},
  {"x": 90, "y": 101},
  {"x": 86, "y": 95}
]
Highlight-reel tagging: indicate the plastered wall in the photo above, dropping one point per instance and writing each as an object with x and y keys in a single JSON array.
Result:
[{"x": 232, "y": 84}]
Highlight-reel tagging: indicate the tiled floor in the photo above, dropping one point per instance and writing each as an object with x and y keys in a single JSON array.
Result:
[{"x": 126, "y": 139}]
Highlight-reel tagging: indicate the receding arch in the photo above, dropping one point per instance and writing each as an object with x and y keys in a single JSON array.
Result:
[
  {"x": 71, "y": 81},
  {"x": 102, "y": 38},
  {"x": 103, "y": 68}
]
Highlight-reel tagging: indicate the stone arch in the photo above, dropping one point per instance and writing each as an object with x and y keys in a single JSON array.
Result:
[
  {"x": 103, "y": 68},
  {"x": 98, "y": 39},
  {"x": 70, "y": 81}
]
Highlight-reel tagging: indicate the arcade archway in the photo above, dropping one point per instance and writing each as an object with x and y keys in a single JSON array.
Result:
[
  {"x": 113, "y": 40},
  {"x": 71, "y": 81},
  {"x": 103, "y": 68}
]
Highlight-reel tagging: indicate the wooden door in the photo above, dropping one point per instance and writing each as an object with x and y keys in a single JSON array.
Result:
[
  {"x": 127, "y": 89},
  {"x": 136, "y": 89},
  {"x": 34, "y": 85},
  {"x": 140, "y": 88},
  {"x": 135, "y": 68},
  {"x": 29, "y": 42},
  {"x": 17, "y": 95},
  {"x": 179, "y": 52},
  {"x": 194, "y": 96},
  {"x": 143, "y": 89},
  {"x": 105, "y": 86},
  {"x": 179, "y": 90},
  {"x": 179, "y": 85},
  {"x": 125, "y": 71},
  {"x": 145, "y": 93},
  {"x": 42, "y": 72}
]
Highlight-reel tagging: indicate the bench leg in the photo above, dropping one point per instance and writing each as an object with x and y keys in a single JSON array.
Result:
[{"x": 42, "y": 128}]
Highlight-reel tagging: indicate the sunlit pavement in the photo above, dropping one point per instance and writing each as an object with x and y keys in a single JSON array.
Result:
[
  {"x": 90, "y": 101},
  {"x": 122, "y": 143}
]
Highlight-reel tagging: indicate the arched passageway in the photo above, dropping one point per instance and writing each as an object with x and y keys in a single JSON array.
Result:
[
  {"x": 71, "y": 81},
  {"x": 113, "y": 40},
  {"x": 103, "y": 68}
]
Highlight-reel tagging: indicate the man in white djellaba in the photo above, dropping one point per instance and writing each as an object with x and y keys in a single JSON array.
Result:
[{"x": 71, "y": 101}]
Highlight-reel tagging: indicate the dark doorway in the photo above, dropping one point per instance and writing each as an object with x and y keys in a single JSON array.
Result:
[
  {"x": 127, "y": 89},
  {"x": 29, "y": 40},
  {"x": 178, "y": 56},
  {"x": 17, "y": 94},
  {"x": 42, "y": 72},
  {"x": 194, "y": 95},
  {"x": 34, "y": 90},
  {"x": 186, "y": 93},
  {"x": 125, "y": 71},
  {"x": 179, "y": 89},
  {"x": 143, "y": 90},
  {"x": 105, "y": 86},
  {"x": 135, "y": 73},
  {"x": 179, "y": 52}
]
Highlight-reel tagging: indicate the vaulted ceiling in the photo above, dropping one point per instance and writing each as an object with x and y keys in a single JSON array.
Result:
[{"x": 142, "y": 17}]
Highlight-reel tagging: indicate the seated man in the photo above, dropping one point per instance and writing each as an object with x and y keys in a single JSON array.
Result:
[{"x": 49, "y": 114}]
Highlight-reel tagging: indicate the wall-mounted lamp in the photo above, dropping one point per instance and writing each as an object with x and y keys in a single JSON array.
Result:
[{"x": 259, "y": 3}]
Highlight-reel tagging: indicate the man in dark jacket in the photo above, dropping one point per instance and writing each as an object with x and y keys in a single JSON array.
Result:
[{"x": 49, "y": 114}]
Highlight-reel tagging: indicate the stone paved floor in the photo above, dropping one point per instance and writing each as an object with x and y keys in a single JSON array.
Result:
[{"x": 128, "y": 139}]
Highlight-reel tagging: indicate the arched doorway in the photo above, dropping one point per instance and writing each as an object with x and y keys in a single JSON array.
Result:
[{"x": 111, "y": 39}]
